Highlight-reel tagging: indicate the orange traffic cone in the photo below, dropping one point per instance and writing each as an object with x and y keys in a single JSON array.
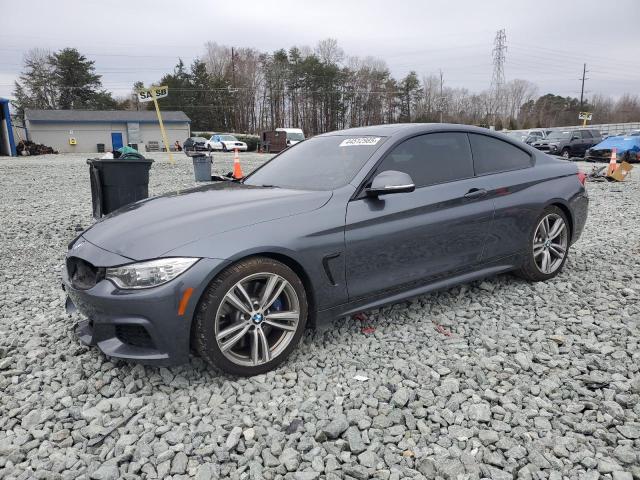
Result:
[
  {"x": 237, "y": 169},
  {"x": 613, "y": 163}
]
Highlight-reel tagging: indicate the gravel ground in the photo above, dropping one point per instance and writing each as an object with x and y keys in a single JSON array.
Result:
[{"x": 498, "y": 379}]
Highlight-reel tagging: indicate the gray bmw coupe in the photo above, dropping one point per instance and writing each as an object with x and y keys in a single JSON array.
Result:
[{"x": 342, "y": 222}]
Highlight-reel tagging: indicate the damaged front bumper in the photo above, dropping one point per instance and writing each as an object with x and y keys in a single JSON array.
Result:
[{"x": 139, "y": 325}]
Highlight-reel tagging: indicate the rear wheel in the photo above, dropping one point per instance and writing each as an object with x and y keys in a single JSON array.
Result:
[
  {"x": 548, "y": 246},
  {"x": 251, "y": 317}
]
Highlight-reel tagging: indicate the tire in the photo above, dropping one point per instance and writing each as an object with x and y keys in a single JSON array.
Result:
[
  {"x": 241, "y": 351},
  {"x": 209, "y": 148},
  {"x": 533, "y": 267},
  {"x": 224, "y": 148},
  {"x": 566, "y": 154}
]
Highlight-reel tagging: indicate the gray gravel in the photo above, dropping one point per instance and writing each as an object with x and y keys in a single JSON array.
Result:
[{"x": 498, "y": 379}]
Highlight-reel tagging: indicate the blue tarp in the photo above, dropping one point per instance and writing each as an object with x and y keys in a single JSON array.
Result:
[{"x": 622, "y": 144}]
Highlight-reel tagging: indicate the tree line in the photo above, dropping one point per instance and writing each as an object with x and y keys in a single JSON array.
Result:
[{"x": 317, "y": 89}]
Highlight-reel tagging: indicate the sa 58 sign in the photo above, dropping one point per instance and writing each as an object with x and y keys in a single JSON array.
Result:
[{"x": 146, "y": 95}]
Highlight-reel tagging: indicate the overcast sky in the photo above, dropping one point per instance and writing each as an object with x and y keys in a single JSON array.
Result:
[{"x": 548, "y": 41}]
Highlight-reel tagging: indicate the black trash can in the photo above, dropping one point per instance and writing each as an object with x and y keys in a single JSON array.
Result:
[{"x": 117, "y": 182}]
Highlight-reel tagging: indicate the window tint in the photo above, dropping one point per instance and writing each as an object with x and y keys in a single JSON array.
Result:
[
  {"x": 432, "y": 158},
  {"x": 491, "y": 155},
  {"x": 587, "y": 134}
]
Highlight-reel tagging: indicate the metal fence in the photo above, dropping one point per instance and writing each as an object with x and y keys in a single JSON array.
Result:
[{"x": 608, "y": 128}]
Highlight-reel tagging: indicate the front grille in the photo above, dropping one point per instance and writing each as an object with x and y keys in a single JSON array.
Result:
[
  {"x": 82, "y": 274},
  {"x": 135, "y": 335}
]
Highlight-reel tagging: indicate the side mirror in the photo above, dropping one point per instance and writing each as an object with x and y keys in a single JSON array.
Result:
[{"x": 390, "y": 181}]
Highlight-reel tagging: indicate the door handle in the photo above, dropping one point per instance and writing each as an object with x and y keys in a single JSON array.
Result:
[{"x": 475, "y": 193}]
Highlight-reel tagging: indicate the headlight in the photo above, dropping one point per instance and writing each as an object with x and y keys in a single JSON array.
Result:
[{"x": 149, "y": 274}]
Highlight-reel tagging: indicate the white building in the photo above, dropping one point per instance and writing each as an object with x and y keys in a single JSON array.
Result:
[{"x": 83, "y": 130}]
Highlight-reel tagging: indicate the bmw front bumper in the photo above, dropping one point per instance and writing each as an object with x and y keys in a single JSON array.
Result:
[{"x": 141, "y": 325}]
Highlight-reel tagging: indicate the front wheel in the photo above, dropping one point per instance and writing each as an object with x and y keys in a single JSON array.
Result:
[
  {"x": 565, "y": 153},
  {"x": 548, "y": 246},
  {"x": 251, "y": 317}
]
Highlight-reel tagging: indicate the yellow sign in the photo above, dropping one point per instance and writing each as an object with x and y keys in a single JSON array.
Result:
[
  {"x": 147, "y": 94},
  {"x": 152, "y": 94},
  {"x": 72, "y": 141}
]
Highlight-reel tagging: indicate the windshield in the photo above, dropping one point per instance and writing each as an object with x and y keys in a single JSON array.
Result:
[
  {"x": 320, "y": 163},
  {"x": 198, "y": 139},
  {"x": 228, "y": 138},
  {"x": 296, "y": 136},
  {"x": 558, "y": 135}
]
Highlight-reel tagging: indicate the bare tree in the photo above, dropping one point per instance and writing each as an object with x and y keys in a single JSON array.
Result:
[{"x": 328, "y": 51}]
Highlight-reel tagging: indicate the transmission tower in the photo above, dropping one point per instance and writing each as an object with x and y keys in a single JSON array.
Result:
[{"x": 497, "y": 80}]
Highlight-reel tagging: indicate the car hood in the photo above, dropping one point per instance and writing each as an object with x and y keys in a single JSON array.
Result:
[{"x": 152, "y": 227}]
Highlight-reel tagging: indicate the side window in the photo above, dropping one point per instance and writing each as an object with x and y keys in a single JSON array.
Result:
[
  {"x": 586, "y": 134},
  {"x": 432, "y": 158},
  {"x": 491, "y": 155}
]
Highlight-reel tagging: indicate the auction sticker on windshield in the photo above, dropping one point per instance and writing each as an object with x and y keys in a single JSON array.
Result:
[{"x": 354, "y": 142}]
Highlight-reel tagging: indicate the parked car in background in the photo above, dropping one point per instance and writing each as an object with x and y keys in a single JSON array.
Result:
[
  {"x": 294, "y": 135},
  {"x": 539, "y": 133},
  {"x": 195, "y": 144},
  {"x": 634, "y": 133},
  {"x": 627, "y": 149},
  {"x": 225, "y": 142},
  {"x": 518, "y": 136},
  {"x": 343, "y": 222},
  {"x": 527, "y": 136},
  {"x": 569, "y": 143}
]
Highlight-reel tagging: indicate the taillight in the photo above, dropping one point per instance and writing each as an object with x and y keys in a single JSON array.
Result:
[{"x": 582, "y": 177}]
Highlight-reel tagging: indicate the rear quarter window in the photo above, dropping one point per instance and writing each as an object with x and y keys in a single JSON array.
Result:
[{"x": 491, "y": 155}]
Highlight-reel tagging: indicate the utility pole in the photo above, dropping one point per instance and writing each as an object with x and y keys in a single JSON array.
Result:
[
  {"x": 233, "y": 68},
  {"x": 233, "y": 86},
  {"x": 441, "y": 97},
  {"x": 584, "y": 72}
]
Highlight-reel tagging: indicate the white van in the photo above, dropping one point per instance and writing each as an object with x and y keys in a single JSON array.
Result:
[{"x": 294, "y": 135}]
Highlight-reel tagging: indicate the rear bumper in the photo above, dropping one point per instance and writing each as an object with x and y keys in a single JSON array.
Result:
[{"x": 140, "y": 325}]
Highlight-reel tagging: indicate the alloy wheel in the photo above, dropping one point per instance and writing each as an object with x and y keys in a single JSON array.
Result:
[
  {"x": 550, "y": 243},
  {"x": 257, "y": 319},
  {"x": 565, "y": 154}
]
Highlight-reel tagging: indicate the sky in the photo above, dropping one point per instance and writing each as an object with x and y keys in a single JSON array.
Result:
[{"x": 547, "y": 41}]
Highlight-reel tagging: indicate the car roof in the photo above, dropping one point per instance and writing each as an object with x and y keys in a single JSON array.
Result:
[{"x": 402, "y": 129}]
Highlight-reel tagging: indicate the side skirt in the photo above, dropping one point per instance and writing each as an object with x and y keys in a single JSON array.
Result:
[{"x": 487, "y": 270}]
